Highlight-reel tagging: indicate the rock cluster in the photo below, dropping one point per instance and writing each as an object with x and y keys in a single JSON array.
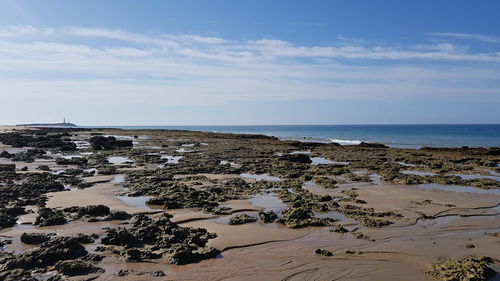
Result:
[
  {"x": 154, "y": 238},
  {"x": 43, "y": 138},
  {"x": 49, "y": 253}
]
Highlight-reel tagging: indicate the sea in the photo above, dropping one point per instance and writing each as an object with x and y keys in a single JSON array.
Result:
[{"x": 403, "y": 136}]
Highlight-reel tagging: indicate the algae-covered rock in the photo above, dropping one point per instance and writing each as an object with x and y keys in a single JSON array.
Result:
[
  {"x": 464, "y": 269},
  {"x": 268, "y": 217},
  {"x": 155, "y": 238},
  {"x": 241, "y": 219}
]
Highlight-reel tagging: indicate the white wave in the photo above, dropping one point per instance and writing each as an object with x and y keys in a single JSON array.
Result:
[{"x": 346, "y": 142}]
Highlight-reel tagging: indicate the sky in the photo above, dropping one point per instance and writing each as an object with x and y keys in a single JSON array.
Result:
[{"x": 185, "y": 62}]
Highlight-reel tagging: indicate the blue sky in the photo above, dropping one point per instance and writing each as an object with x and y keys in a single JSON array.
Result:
[{"x": 249, "y": 62}]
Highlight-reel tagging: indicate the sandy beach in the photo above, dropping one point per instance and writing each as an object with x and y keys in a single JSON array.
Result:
[{"x": 376, "y": 213}]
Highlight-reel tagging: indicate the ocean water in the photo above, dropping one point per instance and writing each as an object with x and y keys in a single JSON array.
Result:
[{"x": 406, "y": 136}]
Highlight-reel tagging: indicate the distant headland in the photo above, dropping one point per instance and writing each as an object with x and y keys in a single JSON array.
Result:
[{"x": 64, "y": 124}]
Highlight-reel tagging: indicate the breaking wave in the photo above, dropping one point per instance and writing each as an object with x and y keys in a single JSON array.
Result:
[{"x": 346, "y": 142}]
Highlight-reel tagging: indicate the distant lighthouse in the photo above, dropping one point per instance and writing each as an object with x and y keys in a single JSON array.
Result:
[{"x": 64, "y": 120}]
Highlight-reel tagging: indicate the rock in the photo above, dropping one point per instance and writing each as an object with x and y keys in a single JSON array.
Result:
[
  {"x": 375, "y": 222},
  {"x": 48, "y": 216},
  {"x": 47, "y": 254},
  {"x": 153, "y": 238},
  {"x": 122, "y": 273},
  {"x": 43, "y": 138},
  {"x": 7, "y": 167},
  {"x": 6, "y": 154},
  {"x": 36, "y": 238},
  {"x": 158, "y": 274},
  {"x": 372, "y": 145},
  {"x": 297, "y": 158},
  {"x": 323, "y": 252},
  {"x": 72, "y": 161},
  {"x": 298, "y": 217},
  {"x": 241, "y": 219},
  {"x": 118, "y": 215},
  {"x": 109, "y": 143},
  {"x": 75, "y": 268},
  {"x": 135, "y": 254},
  {"x": 7, "y": 220},
  {"x": 16, "y": 275},
  {"x": 186, "y": 254},
  {"x": 119, "y": 237},
  {"x": 84, "y": 238},
  {"x": 468, "y": 268},
  {"x": 93, "y": 258},
  {"x": 94, "y": 211},
  {"x": 339, "y": 228},
  {"x": 43, "y": 168},
  {"x": 268, "y": 217}
]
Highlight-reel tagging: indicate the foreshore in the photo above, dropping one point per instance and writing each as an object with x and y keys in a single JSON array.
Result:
[{"x": 241, "y": 207}]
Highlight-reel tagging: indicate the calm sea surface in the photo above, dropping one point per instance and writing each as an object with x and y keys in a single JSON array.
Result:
[{"x": 412, "y": 136}]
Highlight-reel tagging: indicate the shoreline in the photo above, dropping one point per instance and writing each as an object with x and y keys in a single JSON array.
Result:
[{"x": 393, "y": 135}]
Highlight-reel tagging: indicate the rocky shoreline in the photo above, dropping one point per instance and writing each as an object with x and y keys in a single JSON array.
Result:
[{"x": 106, "y": 204}]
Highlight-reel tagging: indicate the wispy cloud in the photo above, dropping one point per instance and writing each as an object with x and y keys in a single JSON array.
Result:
[{"x": 468, "y": 36}]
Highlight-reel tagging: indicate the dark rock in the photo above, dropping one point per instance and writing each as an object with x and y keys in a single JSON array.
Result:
[
  {"x": 75, "y": 268},
  {"x": 93, "y": 258},
  {"x": 297, "y": 158},
  {"x": 47, "y": 254},
  {"x": 135, "y": 254},
  {"x": 109, "y": 143},
  {"x": 118, "y": 215},
  {"x": 48, "y": 216},
  {"x": 7, "y": 167},
  {"x": 158, "y": 274},
  {"x": 71, "y": 161},
  {"x": 7, "y": 220},
  {"x": 372, "y": 145},
  {"x": 151, "y": 239},
  {"x": 43, "y": 168},
  {"x": 323, "y": 252},
  {"x": 122, "y": 273},
  {"x": 36, "y": 238}
]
